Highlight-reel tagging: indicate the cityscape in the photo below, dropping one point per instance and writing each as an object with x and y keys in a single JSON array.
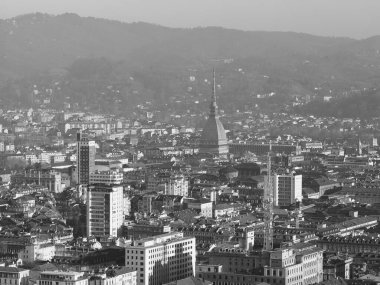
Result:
[{"x": 182, "y": 167}]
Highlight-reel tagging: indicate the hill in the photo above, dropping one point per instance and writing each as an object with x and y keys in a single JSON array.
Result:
[
  {"x": 364, "y": 106},
  {"x": 149, "y": 62}
]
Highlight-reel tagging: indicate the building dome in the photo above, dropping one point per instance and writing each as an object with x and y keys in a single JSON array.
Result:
[
  {"x": 213, "y": 132},
  {"x": 213, "y": 139}
]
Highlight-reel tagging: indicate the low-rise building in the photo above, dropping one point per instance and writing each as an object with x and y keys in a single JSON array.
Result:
[
  {"x": 13, "y": 275},
  {"x": 49, "y": 179},
  {"x": 161, "y": 259},
  {"x": 37, "y": 252},
  {"x": 62, "y": 278},
  {"x": 115, "y": 276},
  {"x": 202, "y": 206}
]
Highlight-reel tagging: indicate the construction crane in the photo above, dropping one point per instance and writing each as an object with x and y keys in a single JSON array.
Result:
[{"x": 268, "y": 205}]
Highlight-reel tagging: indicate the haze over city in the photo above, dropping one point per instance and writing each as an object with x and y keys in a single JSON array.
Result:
[
  {"x": 343, "y": 18},
  {"x": 190, "y": 142}
]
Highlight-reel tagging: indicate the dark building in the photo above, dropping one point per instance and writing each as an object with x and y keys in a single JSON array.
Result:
[
  {"x": 85, "y": 159},
  {"x": 246, "y": 170},
  {"x": 228, "y": 172}
]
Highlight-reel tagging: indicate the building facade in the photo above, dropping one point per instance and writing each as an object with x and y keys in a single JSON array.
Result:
[
  {"x": 177, "y": 185},
  {"x": 114, "y": 276},
  {"x": 85, "y": 159},
  {"x": 161, "y": 259},
  {"x": 104, "y": 210},
  {"x": 62, "y": 278},
  {"x": 287, "y": 189},
  {"x": 287, "y": 266},
  {"x": 110, "y": 177},
  {"x": 13, "y": 275},
  {"x": 51, "y": 179}
]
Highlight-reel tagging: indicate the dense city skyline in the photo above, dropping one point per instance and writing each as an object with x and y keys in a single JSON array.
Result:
[
  {"x": 342, "y": 18},
  {"x": 137, "y": 154}
]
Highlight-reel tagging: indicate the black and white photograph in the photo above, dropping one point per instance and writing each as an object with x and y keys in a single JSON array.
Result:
[{"x": 189, "y": 142}]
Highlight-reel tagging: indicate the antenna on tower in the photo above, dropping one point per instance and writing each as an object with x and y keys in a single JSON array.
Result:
[
  {"x": 213, "y": 83},
  {"x": 268, "y": 205}
]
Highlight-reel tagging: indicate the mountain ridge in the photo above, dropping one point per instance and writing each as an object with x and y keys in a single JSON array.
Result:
[{"x": 161, "y": 59}]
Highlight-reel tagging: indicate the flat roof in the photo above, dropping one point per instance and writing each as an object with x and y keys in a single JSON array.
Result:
[{"x": 12, "y": 269}]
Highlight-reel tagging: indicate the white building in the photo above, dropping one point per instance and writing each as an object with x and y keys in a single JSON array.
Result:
[
  {"x": 62, "y": 278},
  {"x": 296, "y": 266},
  {"x": 111, "y": 177},
  {"x": 177, "y": 185},
  {"x": 14, "y": 275},
  {"x": 120, "y": 276},
  {"x": 37, "y": 252},
  {"x": 202, "y": 206},
  {"x": 52, "y": 157},
  {"x": 105, "y": 208},
  {"x": 169, "y": 184},
  {"x": 126, "y": 205},
  {"x": 161, "y": 259},
  {"x": 287, "y": 189}
]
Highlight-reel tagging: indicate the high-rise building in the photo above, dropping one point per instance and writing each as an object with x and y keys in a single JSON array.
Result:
[
  {"x": 85, "y": 158},
  {"x": 105, "y": 204},
  {"x": 213, "y": 139},
  {"x": 161, "y": 259},
  {"x": 287, "y": 189}
]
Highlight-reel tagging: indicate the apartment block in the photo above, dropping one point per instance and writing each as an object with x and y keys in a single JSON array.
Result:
[{"x": 161, "y": 259}]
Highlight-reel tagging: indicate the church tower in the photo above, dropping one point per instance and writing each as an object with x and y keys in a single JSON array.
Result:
[{"x": 213, "y": 139}]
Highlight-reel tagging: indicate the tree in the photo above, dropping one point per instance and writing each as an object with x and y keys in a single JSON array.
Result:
[{"x": 15, "y": 163}]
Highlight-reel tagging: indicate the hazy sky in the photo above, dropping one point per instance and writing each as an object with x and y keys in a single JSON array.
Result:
[{"x": 353, "y": 18}]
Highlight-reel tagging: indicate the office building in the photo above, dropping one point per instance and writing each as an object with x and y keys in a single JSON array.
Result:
[
  {"x": 105, "y": 204},
  {"x": 85, "y": 159},
  {"x": 287, "y": 189},
  {"x": 161, "y": 259}
]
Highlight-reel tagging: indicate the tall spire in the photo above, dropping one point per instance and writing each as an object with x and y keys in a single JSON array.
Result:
[{"x": 213, "y": 105}]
